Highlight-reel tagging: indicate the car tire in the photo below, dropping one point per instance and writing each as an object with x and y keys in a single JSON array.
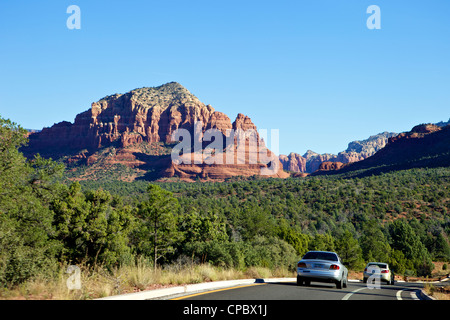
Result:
[
  {"x": 345, "y": 282},
  {"x": 339, "y": 284},
  {"x": 299, "y": 281}
]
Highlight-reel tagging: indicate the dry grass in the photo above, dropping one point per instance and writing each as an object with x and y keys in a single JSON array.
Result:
[
  {"x": 98, "y": 283},
  {"x": 439, "y": 293}
]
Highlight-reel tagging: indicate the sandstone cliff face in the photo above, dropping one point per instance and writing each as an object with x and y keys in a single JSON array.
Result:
[
  {"x": 360, "y": 150},
  {"x": 418, "y": 131},
  {"x": 313, "y": 160},
  {"x": 141, "y": 117},
  {"x": 146, "y": 114},
  {"x": 293, "y": 162},
  {"x": 328, "y": 165}
]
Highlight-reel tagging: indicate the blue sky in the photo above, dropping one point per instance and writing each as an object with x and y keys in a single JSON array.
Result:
[{"x": 311, "y": 69}]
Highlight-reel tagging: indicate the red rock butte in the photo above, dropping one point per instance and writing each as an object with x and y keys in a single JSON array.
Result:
[{"x": 145, "y": 116}]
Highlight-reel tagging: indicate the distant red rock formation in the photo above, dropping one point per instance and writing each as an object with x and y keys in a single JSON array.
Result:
[
  {"x": 145, "y": 116},
  {"x": 356, "y": 151},
  {"x": 426, "y": 145},
  {"x": 328, "y": 165}
]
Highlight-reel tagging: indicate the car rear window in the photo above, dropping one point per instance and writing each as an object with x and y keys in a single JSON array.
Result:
[
  {"x": 380, "y": 265},
  {"x": 321, "y": 256}
]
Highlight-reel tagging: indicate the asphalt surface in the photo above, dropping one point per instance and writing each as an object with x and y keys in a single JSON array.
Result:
[
  {"x": 316, "y": 291},
  {"x": 280, "y": 300}
]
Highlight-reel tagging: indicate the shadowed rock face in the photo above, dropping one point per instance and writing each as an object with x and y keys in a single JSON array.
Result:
[
  {"x": 143, "y": 116},
  {"x": 358, "y": 151},
  {"x": 426, "y": 145}
]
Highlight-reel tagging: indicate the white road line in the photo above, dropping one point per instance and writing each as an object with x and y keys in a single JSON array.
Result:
[
  {"x": 398, "y": 294},
  {"x": 348, "y": 295},
  {"x": 412, "y": 293}
]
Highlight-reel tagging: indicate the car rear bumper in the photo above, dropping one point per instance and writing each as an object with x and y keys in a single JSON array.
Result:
[
  {"x": 319, "y": 275},
  {"x": 386, "y": 277}
]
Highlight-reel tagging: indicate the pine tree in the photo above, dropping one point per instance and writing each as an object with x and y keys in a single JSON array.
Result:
[{"x": 158, "y": 232}]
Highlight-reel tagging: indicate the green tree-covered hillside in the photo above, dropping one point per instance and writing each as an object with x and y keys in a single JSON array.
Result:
[{"x": 400, "y": 217}]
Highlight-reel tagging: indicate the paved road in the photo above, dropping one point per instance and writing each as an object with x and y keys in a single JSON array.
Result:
[{"x": 316, "y": 291}]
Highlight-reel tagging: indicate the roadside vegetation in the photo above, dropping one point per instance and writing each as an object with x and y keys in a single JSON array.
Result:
[
  {"x": 127, "y": 236},
  {"x": 98, "y": 282}
]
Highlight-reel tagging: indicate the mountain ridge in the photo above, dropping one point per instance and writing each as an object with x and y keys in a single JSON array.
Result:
[
  {"x": 135, "y": 129},
  {"x": 426, "y": 145},
  {"x": 356, "y": 151}
]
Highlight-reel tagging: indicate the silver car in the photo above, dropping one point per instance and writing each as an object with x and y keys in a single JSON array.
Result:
[
  {"x": 378, "y": 270},
  {"x": 322, "y": 266}
]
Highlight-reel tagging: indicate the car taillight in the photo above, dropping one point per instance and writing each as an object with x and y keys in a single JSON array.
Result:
[
  {"x": 301, "y": 265},
  {"x": 365, "y": 269},
  {"x": 385, "y": 271},
  {"x": 334, "y": 267}
]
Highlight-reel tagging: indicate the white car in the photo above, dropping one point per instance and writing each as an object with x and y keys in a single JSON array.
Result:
[
  {"x": 322, "y": 266},
  {"x": 378, "y": 270}
]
